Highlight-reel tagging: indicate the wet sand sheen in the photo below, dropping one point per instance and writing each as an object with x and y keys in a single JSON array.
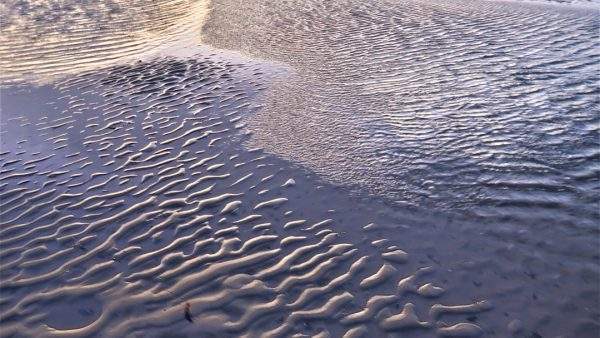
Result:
[{"x": 132, "y": 206}]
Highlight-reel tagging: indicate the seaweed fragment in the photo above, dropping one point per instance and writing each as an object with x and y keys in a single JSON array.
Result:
[{"x": 187, "y": 313}]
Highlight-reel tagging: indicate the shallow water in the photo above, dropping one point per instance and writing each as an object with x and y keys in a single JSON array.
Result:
[
  {"x": 390, "y": 168},
  {"x": 488, "y": 110}
]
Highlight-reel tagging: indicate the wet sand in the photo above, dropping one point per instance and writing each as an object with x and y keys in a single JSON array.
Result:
[
  {"x": 201, "y": 178},
  {"x": 129, "y": 196}
]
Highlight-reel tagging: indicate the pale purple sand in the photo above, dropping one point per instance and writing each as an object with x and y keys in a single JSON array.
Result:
[{"x": 291, "y": 169}]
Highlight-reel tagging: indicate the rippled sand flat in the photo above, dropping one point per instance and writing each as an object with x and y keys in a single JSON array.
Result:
[
  {"x": 299, "y": 169},
  {"x": 127, "y": 200}
]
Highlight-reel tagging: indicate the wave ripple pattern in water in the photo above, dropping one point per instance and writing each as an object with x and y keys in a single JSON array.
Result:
[
  {"x": 472, "y": 104},
  {"x": 41, "y": 40}
]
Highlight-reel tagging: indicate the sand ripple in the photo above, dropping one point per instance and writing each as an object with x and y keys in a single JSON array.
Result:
[{"x": 129, "y": 209}]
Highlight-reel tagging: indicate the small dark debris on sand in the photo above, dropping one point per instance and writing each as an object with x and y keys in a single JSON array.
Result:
[{"x": 187, "y": 313}]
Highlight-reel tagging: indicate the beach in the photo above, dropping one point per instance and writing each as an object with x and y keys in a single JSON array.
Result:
[{"x": 224, "y": 168}]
